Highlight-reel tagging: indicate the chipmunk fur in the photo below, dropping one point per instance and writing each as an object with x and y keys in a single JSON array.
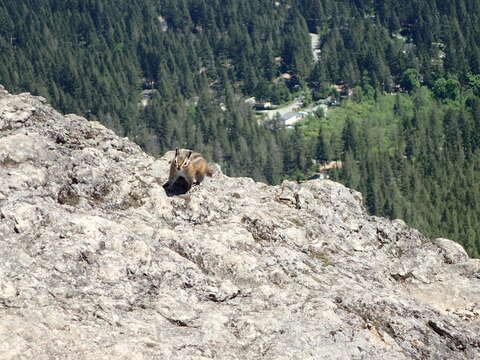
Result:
[{"x": 189, "y": 165}]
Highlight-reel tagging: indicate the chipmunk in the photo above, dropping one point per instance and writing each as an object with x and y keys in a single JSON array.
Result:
[{"x": 189, "y": 165}]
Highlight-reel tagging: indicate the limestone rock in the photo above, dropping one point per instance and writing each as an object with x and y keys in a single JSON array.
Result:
[{"x": 98, "y": 261}]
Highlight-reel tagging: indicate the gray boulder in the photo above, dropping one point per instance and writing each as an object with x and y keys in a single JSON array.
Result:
[{"x": 97, "y": 261}]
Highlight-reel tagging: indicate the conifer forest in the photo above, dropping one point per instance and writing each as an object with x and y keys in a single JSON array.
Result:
[{"x": 399, "y": 82}]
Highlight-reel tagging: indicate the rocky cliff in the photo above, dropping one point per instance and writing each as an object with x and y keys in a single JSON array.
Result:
[{"x": 97, "y": 261}]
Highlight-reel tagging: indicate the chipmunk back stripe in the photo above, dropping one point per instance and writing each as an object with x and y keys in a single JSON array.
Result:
[
  {"x": 195, "y": 156},
  {"x": 197, "y": 159}
]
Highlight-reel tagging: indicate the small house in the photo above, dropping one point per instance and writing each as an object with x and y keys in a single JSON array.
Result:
[
  {"x": 325, "y": 170},
  {"x": 263, "y": 105},
  {"x": 146, "y": 96},
  {"x": 291, "y": 118},
  {"x": 250, "y": 101}
]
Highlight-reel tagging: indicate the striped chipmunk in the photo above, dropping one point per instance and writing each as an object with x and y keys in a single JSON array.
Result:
[{"x": 189, "y": 165}]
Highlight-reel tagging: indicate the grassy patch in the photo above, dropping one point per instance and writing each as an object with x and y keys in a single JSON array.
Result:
[{"x": 297, "y": 222}]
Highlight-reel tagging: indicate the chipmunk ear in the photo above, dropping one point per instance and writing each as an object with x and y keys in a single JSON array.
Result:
[
  {"x": 176, "y": 152},
  {"x": 189, "y": 153}
]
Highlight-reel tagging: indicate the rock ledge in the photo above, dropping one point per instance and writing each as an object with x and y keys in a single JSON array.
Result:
[{"x": 98, "y": 262}]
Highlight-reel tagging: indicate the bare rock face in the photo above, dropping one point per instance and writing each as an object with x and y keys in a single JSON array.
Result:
[{"x": 97, "y": 261}]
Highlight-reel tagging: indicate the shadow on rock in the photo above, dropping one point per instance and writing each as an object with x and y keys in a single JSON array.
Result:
[{"x": 180, "y": 187}]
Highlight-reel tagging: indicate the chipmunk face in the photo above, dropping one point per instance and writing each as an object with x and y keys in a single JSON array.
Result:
[{"x": 181, "y": 161}]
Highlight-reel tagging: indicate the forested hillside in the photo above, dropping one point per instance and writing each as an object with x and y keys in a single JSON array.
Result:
[
  {"x": 413, "y": 156},
  {"x": 172, "y": 73},
  {"x": 375, "y": 41},
  {"x": 195, "y": 59}
]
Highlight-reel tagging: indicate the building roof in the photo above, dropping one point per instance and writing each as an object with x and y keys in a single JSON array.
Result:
[
  {"x": 331, "y": 165},
  {"x": 289, "y": 116}
]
